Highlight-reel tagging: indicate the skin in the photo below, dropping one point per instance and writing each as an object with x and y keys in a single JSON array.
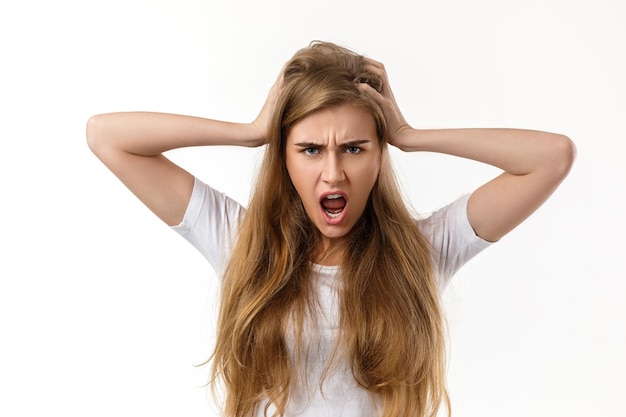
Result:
[
  {"x": 336, "y": 151},
  {"x": 533, "y": 163}
]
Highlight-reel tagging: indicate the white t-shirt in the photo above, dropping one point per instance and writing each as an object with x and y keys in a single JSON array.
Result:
[{"x": 210, "y": 224}]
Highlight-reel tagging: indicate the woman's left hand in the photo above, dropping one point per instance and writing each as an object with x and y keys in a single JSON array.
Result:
[
  {"x": 534, "y": 162},
  {"x": 397, "y": 127}
]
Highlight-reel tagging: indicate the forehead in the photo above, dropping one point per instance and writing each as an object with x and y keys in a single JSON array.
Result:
[{"x": 344, "y": 122}]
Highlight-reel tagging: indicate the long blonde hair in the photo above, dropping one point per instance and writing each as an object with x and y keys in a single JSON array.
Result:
[{"x": 391, "y": 325}]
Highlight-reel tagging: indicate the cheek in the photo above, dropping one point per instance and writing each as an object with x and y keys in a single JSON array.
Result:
[
  {"x": 369, "y": 174},
  {"x": 375, "y": 170},
  {"x": 301, "y": 178},
  {"x": 293, "y": 171}
]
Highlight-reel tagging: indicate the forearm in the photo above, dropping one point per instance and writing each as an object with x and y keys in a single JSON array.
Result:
[
  {"x": 149, "y": 134},
  {"x": 534, "y": 163},
  {"x": 518, "y": 152}
]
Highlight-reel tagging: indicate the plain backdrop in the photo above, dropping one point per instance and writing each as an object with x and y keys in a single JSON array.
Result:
[{"x": 104, "y": 311}]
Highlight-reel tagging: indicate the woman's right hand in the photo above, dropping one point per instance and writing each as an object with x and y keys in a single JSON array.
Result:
[
  {"x": 132, "y": 144},
  {"x": 264, "y": 118}
]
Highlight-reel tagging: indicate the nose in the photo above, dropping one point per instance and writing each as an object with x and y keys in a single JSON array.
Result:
[{"x": 332, "y": 171}]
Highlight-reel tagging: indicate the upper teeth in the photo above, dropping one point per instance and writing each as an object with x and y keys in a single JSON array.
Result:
[{"x": 333, "y": 196}]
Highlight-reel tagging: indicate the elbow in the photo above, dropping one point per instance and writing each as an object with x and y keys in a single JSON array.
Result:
[
  {"x": 564, "y": 155},
  {"x": 94, "y": 133},
  {"x": 91, "y": 132}
]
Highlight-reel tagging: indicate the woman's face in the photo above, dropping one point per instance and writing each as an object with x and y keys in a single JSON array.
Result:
[{"x": 333, "y": 159}]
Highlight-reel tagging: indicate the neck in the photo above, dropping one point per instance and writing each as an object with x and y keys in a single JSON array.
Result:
[{"x": 330, "y": 252}]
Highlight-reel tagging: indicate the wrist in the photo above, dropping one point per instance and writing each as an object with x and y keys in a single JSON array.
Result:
[
  {"x": 254, "y": 136},
  {"x": 406, "y": 139}
]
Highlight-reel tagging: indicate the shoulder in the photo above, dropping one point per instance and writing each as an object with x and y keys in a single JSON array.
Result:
[
  {"x": 211, "y": 222},
  {"x": 452, "y": 239}
]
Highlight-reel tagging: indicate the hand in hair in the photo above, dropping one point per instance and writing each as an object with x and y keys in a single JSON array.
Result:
[
  {"x": 397, "y": 125},
  {"x": 533, "y": 163},
  {"x": 264, "y": 118}
]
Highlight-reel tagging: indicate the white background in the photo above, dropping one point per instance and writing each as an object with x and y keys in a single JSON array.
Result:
[{"x": 105, "y": 311}]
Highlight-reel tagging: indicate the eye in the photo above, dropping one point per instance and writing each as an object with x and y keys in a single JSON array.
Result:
[
  {"x": 311, "y": 151},
  {"x": 353, "y": 149}
]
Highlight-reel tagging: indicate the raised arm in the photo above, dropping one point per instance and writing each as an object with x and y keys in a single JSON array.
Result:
[
  {"x": 534, "y": 163},
  {"x": 131, "y": 145}
]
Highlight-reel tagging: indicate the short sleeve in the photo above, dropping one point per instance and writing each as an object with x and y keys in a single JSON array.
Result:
[
  {"x": 210, "y": 223},
  {"x": 452, "y": 239}
]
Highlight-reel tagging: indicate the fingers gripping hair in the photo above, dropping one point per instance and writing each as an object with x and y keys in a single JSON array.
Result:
[{"x": 327, "y": 56}]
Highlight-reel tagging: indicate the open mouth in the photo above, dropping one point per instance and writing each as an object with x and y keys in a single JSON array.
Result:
[{"x": 333, "y": 205}]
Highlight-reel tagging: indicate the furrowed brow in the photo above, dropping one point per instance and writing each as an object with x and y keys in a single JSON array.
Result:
[
  {"x": 308, "y": 144},
  {"x": 348, "y": 143},
  {"x": 355, "y": 142}
]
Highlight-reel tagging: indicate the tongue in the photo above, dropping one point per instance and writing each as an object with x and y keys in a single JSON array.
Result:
[{"x": 334, "y": 204}]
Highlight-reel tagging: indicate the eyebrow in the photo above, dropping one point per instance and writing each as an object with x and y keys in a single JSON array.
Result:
[{"x": 317, "y": 145}]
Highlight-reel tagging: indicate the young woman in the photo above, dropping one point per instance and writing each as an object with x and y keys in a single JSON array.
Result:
[{"x": 330, "y": 300}]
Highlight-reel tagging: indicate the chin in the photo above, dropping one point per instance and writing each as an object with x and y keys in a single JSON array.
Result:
[{"x": 334, "y": 234}]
